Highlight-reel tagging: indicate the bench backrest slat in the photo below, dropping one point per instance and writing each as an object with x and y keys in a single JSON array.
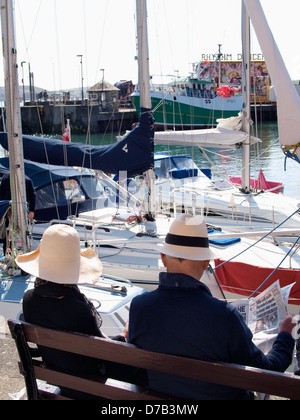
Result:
[
  {"x": 220, "y": 373},
  {"x": 108, "y": 388}
]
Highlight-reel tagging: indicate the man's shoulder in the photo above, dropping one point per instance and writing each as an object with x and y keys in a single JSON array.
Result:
[
  {"x": 144, "y": 297},
  {"x": 226, "y": 310}
]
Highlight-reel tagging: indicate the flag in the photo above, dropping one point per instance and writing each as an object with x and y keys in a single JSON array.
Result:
[{"x": 67, "y": 133}]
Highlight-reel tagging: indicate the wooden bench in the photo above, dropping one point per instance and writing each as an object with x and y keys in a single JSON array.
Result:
[{"x": 247, "y": 378}]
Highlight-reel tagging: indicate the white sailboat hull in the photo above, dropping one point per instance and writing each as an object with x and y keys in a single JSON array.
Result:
[
  {"x": 111, "y": 298},
  {"x": 244, "y": 211}
]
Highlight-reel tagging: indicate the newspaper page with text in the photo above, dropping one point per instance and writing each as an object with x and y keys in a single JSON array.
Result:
[{"x": 264, "y": 313}]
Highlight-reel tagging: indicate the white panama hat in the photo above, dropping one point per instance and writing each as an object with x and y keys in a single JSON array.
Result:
[
  {"x": 59, "y": 258},
  {"x": 188, "y": 239}
]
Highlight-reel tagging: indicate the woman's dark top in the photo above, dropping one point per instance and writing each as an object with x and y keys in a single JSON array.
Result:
[{"x": 65, "y": 308}]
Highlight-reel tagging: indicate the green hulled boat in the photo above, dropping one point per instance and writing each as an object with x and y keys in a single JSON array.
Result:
[{"x": 192, "y": 103}]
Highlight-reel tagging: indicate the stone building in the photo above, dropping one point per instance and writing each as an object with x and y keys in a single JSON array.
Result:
[{"x": 105, "y": 95}]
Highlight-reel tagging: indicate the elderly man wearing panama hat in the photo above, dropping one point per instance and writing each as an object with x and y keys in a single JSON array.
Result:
[{"x": 182, "y": 318}]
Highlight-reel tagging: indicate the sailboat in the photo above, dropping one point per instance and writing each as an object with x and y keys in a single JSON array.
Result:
[
  {"x": 182, "y": 184},
  {"x": 243, "y": 203},
  {"x": 111, "y": 296}
]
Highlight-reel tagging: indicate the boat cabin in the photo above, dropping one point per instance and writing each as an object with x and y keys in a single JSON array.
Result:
[
  {"x": 61, "y": 191},
  {"x": 176, "y": 167}
]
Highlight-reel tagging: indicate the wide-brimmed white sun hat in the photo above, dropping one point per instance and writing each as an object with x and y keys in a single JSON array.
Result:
[
  {"x": 188, "y": 239},
  {"x": 59, "y": 258}
]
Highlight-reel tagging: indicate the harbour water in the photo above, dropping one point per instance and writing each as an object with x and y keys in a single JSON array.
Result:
[{"x": 267, "y": 156}]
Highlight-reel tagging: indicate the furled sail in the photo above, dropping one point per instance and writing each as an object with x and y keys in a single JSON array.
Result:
[
  {"x": 214, "y": 137},
  {"x": 134, "y": 154},
  {"x": 288, "y": 100}
]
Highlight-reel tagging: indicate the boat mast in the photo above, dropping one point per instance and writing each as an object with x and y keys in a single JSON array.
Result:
[
  {"x": 219, "y": 59},
  {"x": 13, "y": 125},
  {"x": 246, "y": 98},
  {"x": 144, "y": 88}
]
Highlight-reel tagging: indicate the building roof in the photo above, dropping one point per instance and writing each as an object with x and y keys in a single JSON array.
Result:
[{"x": 103, "y": 86}]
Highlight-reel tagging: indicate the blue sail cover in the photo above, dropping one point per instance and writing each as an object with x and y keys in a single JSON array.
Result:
[
  {"x": 41, "y": 174},
  {"x": 134, "y": 153}
]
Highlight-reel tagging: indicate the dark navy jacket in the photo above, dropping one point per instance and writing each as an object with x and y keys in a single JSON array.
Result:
[{"x": 182, "y": 318}]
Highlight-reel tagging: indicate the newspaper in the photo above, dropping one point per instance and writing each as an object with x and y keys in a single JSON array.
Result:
[{"x": 264, "y": 313}]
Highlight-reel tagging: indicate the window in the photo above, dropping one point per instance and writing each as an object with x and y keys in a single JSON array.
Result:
[
  {"x": 59, "y": 194},
  {"x": 92, "y": 186}
]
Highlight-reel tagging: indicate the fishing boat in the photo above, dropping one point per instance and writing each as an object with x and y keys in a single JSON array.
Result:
[
  {"x": 192, "y": 102},
  {"x": 185, "y": 104}
]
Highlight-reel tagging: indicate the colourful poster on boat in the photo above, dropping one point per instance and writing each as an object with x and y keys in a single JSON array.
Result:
[{"x": 230, "y": 73}]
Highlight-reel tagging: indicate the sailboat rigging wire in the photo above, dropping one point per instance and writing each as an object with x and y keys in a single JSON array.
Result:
[
  {"x": 12, "y": 232},
  {"x": 101, "y": 37},
  {"x": 259, "y": 240},
  {"x": 51, "y": 179},
  {"x": 202, "y": 148},
  {"x": 33, "y": 26},
  {"x": 158, "y": 105},
  {"x": 203, "y": 151},
  {"x": 263, "y": 152},
  {"x": 274, "y": 271}
]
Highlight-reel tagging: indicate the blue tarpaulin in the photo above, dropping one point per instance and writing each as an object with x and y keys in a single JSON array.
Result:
[{"x": 134, "y": 153}]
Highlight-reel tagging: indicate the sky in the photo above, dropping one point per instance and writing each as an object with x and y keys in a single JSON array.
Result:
[{"x": 52, "y": 33}]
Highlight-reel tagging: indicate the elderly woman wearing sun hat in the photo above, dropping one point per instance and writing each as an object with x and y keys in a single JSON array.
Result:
[
  {"x": 181, "y": 317},
  {"x": 56, "y": 301}
]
